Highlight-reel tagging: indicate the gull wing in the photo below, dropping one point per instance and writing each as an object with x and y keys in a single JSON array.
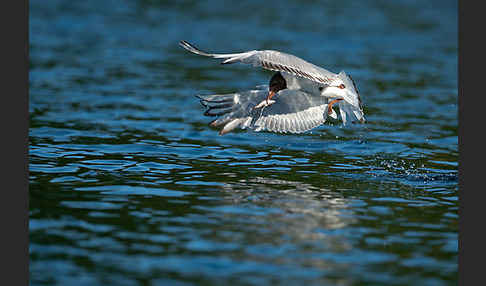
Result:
[
  {"x": 293, "y": 111},
  {"x": 272, "y": 60}
]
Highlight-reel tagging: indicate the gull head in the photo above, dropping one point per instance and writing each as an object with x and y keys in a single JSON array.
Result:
[
  {"x": 343, "y": 89},
  {"x": 351, "y": 94}
]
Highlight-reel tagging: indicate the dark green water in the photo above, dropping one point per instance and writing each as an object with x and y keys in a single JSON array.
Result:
[{"x": 129, "y": 186}]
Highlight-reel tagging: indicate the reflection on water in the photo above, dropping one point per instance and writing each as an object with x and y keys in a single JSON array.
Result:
[{"x": 130, "y": 186}]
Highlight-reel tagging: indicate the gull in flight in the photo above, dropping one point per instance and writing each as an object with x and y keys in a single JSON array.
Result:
[{"x": 299, "y": 96}]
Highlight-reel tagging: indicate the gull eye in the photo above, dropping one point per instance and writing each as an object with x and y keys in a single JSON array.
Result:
[
  {"x": 341, "y": 86},
  {"x": 321, "y": 88}
]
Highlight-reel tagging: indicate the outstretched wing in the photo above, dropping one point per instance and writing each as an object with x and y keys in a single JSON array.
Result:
[
  {"x": 272, "y": 60},
  {"x": 293, "y": 111}
]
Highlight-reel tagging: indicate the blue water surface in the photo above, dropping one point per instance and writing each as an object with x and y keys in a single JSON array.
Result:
[{"x": 130, "y": 186}]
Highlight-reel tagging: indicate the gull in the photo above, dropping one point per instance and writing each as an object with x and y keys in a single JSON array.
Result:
[{"x": 299, "y": 97}]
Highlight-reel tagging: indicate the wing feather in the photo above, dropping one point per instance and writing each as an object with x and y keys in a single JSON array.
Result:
[
  {"x": 294, "y": 111},
  {"x": 272, "y": 60}
]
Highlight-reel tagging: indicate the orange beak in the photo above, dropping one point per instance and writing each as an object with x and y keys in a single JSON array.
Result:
[{"x": 271, "y": 93}]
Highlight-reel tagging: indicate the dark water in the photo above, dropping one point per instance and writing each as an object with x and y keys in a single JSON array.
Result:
[{"x": 129, "y": 186}]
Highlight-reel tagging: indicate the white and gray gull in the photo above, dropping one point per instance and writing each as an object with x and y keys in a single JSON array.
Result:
[{"x": 299, "y": 96}]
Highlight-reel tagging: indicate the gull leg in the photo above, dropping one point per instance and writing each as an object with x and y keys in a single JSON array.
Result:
[{"x": 329, "y": 105}]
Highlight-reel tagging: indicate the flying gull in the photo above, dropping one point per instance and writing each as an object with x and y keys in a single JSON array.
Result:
[{"x": 299, "y": 96}]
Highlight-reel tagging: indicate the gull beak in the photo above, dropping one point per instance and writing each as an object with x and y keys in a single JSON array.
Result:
[{"x": 271, "y": 93}]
